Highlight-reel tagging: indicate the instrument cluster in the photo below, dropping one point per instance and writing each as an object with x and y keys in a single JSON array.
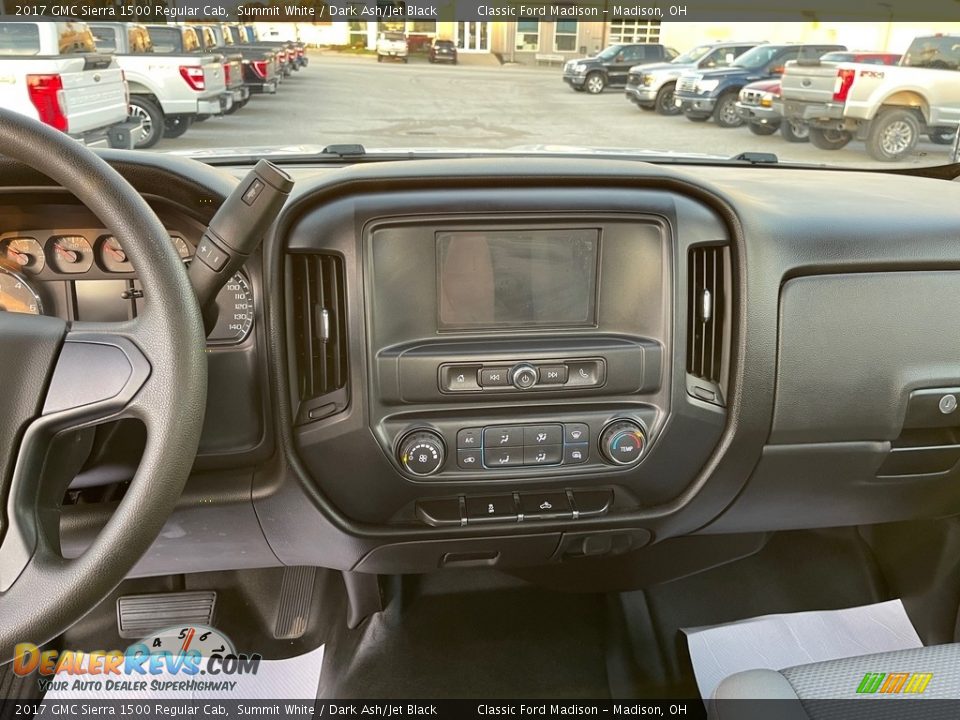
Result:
[{"x": 84, "y": 274}]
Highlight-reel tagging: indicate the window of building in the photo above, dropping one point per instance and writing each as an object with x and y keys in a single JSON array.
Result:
[
  {"x": 634, "y": 31},
  {"x": 528, "y": 35},
  {"x": 565, "y": 36}
]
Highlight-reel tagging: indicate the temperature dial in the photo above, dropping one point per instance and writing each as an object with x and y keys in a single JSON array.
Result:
[
  {"x": 422, "y": 452},
  {"x": 623, "y": 442}
]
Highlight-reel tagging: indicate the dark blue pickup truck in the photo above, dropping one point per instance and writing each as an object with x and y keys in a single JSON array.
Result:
[{"x": 702, "y": 95}]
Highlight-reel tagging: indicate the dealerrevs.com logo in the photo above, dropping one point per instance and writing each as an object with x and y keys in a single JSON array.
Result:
[
  {"x": 190, "y": 658},
  {"x": 894, "y": 683}
]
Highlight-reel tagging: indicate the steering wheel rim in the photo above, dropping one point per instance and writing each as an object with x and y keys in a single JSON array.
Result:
[{"x": 157, "y": 373}]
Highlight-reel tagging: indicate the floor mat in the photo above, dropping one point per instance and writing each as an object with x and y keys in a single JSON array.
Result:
[{"x": 775, "y": 642}]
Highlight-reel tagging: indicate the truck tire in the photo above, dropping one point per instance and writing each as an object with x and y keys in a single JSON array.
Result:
[
  {"x": 942, "y": 136},
  {"x": 725, "y": 113},
  {"x": 795, "y": 131},
  {"x": 829, "y": 139},
  {"x": 664, "y": 102},
  {"x": 153, "y": 122},
  {"x": 176, "y": 125},
  {"x": 758, "y": 129},
  {"x": 893, "y": 135},
  {"x": 595, "y": 83}
]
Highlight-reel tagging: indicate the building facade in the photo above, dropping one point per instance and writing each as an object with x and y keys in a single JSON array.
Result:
[{"x": 532, "y": 41}]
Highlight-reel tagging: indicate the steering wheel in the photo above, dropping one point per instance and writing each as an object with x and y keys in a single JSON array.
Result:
[{"x": 60, "y": 379}]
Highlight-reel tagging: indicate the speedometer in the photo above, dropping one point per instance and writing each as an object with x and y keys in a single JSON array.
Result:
[
  {"x": 16, "y": 295},
  {"x": 235, "y": 306}
]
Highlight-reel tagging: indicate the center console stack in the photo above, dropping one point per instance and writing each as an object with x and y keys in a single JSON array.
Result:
[{"x": 529, "y": 365}]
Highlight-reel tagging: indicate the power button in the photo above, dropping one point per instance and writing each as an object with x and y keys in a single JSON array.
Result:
[{"x": 524, "y": 377}]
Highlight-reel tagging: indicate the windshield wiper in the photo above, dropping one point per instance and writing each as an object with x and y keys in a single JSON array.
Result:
[
  {"x": 757, "y": 158},
  {"x": 345, "y": 150}
]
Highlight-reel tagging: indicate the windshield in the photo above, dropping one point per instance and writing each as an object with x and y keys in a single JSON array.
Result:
[
  {"x": 520, "y": 86},
  {"x": 758, "y": 57},
  {"x": 693, "y": 55},
  {"x": 610, "y": 53}
]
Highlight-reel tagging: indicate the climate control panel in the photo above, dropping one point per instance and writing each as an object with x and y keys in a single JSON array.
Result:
[{"x": 520, "y": 448}]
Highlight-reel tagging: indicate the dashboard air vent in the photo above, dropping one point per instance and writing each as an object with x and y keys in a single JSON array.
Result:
[
  {"x": 320, "y": 334},
  {"x": 706, "y": 301}
]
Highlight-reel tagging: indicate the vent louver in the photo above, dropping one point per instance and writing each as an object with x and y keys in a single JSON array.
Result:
[
  {"x": 707, "y": 288},
  {"x": 320, "y": 336}
]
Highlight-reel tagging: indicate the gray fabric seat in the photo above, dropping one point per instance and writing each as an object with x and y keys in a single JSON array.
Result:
[{"x": 919, "y": 683}]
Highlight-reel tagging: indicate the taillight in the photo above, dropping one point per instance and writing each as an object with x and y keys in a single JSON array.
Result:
[
  {"x": 260, "y": 68},
  {"x": 841, "y": 88},
  {"x": 226, "y": 74},
  {"x": 126, "y": 88},
  {"x": 46, "y": 94},
  {"x": 194, "y": 77}
]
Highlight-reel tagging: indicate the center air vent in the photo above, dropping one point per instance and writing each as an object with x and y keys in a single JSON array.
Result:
[
  {"x": 706, "y": 304},
  {"x": 320, "y": 334}
]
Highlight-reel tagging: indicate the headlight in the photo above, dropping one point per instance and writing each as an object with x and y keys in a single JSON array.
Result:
[
  {"x": 707, "y": 85},
  {"x": 646, "y": 79},
  {"x": 579, "y": 68},
  {"x": 766, "y": 100}
]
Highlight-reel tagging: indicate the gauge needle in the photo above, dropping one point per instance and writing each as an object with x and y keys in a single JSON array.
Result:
[
  {"x": 21, "y": 257},
  {"x": 119, "y": 254},
  {"x": 187, "y": 639},
  {"x": 70, "y": 255}
]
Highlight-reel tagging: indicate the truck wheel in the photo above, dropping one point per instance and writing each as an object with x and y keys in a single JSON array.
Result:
[
  {"x": 942, "y": 136},
  {"x": 726, "y": 111},
  {"x": 893, "y": 135},
  {"x": 758, "y": 129},
  {"x": 665, "y": 100},
  {"x": 595, "y": 83},
  {"x": 176, "y": 126},
  {"x": 829, "y": 139},
  {"x": 151, "y": 116},
  {"x": 795, "y": 131}
]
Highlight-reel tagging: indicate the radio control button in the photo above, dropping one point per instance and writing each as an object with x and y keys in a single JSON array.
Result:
[
  {"x": 459, "y": 378},
  {"x": 495, "y": 377},
  {"x": 523, "y": 376},
  {"x": 503, "y": 457},
  {"x": 470, "y": 438},
  {"x": 576, "y": 453},
  {"x": 583, "y": 373},
  {"x": 542, "y": 455},
  {"x": 576, "y": 433},
  {"x": 542, "y": 435},
  {"x": 470, "y": 459},
  {"x": 553, "y": 374},
  {"x": 502, "y": 436},
  {"x": 545, "y": 506}
]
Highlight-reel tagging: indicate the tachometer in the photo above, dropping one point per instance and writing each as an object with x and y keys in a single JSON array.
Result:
[
  {"x": 16, "y": 295},
  {"x": 183, "y": 250},
  {"x": 25, "y": 253},
  {"x": 235, "y": 303},
  {"x": 69, "y": 253}
]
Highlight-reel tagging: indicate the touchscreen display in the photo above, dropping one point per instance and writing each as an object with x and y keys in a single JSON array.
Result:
[{"x": 517, "y": 278}]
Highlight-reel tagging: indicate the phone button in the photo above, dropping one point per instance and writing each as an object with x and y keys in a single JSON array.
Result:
[{"x": 583, "y": 373}]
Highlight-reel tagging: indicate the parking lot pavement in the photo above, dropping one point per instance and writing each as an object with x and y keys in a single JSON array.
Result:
[{"x": 349, "y": 99}]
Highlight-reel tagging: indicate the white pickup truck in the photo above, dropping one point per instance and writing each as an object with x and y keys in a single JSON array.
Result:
[
  {"x": 52, "y": 72},
  {"x": 392, "y": 45},
  {"x": 170, "y": 86},
  {"x": 889, "y": 107}
]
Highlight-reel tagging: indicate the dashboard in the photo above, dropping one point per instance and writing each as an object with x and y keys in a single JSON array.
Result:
[{"x": 538, "y": 361}]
